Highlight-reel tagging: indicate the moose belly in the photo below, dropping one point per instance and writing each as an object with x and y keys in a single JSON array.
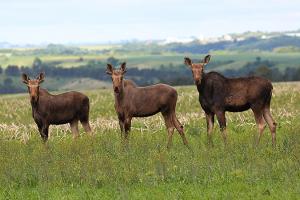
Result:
[
  {"x": 62, "y": 118},
  {"x": 146, "y": 113},
  {"x": 236, "y": 104},
  {"x": 237, "y": 108},
  {"x": 59, "y": 122}
]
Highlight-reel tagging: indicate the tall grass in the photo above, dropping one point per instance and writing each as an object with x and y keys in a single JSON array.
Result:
[{"x": 102, "y": 167}]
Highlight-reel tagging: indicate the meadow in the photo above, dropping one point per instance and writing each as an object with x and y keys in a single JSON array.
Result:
[
  {"x": 145, "y": 59},
  {"x": 103, "y": 167}
]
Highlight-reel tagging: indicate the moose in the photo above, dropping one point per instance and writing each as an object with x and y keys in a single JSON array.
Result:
[
  {"x": 133, "y": 101},
  {"x": 48, "y": 109},
  {"x": 218, "y": 94}
]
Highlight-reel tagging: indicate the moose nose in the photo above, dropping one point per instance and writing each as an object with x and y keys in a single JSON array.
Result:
[
  {"x": 34, "y": 98},
  {"x": 197, "y": 82},
  {"x": 116, "y": 89}
]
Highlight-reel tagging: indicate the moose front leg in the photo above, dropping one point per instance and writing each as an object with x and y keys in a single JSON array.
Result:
[
  {"x": 127, "y": 127},
  {"x": 222, "y": 123},
  {"x": 210, "y": 126},
  {"x": 40, "y": 127},
  {"x": 44, "y": 132},
  {"x": 122, "y": 127}
]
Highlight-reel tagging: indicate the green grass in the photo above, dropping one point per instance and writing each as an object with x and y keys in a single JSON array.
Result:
[
  {"x": 148, "y": 60},
  {"x": 101, "y": 167}
]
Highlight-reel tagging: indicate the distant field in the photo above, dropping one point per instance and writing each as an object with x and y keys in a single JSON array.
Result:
[
  {"x": 102, "y": 168},
  {"x": 148, "y": 60}
]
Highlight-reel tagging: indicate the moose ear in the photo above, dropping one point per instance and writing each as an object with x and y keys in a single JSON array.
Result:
[
  {"x": 109, "y": 69},
  {"x": 25, "y": 78},
  {"x": 41, "y": 77},
  {"x": 123, "y": 67},
  {"x": 187, "y": 61},
  {"x": 206, "y": 59}
]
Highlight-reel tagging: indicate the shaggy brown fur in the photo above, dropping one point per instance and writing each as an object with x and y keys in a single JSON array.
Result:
[
  {"x": 132, "y": 101},
  {"x": 47, "y": 109},
  {"x": 218, "y": 94}
]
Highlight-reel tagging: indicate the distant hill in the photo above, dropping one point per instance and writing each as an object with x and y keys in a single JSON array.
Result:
[
  {"x": 248, "y": 41},
  {"x": 248, "y": 44}
]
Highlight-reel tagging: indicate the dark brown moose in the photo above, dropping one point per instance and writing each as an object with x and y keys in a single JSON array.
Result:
[
  {"x": 132, "y": 101},
  {"x": 48, "y": 109},
  {"x": 218, "y": 94}
]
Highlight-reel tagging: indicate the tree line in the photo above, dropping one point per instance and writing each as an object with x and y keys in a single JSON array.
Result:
[{"x": 169, "y": 74}]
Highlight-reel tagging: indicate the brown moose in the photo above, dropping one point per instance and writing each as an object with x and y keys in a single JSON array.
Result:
[
  {"x": 48, "y": 109},
  {"x": 218, "y": 94},
  {"x": 132, "y": 101}
]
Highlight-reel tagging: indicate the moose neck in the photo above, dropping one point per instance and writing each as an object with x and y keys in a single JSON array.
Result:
[
  {"x": 35, "y": 104},
  {"x": 120, "y": 96},
  {"x": 201, "y": 85}
]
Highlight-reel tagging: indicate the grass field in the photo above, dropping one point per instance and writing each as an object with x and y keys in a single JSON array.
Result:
[
  {"x": 148, "y": 60},
  {"x": 101, "y": 167}
]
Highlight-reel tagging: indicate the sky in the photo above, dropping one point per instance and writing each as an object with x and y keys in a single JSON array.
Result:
[{"x": 88, "y": 21}]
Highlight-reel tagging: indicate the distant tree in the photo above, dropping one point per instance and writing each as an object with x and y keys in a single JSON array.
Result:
[
  {"x": 12, "y": 70},
  {"x": 1, "y": 70},
  {"x": 263, "y": 71},
  {"x": 162, "y": 66},
  {"x": 297, "y": 75},
  {"x": 37, "y": 64},
  {"x": 276, "y": 75},
  {"x": 258, "y": 59},
  {"x": 7, "y": 82},
  {"x": 113, "y": 61}
]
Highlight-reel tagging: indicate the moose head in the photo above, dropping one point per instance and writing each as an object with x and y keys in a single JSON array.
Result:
[
  {"x": 117, "y": 76},
  {"x": 197, "y": 68},
  {"x": 33, "y": 85}
]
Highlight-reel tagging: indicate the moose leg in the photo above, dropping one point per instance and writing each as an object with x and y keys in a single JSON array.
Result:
[
  {"x": 184, "y": 140},
  {"x": 40, "y": 127},
  {"x": 210, "y": 119},
  {"x": 127, "y": 127},
  {"x": 170, "y": 136},
  {"x": 180, "y": 130},
  {"x": 260, "y": 122},
  {"x": 271, "y": 123},
  {"x": 170, "y": 127},
  {"x": 44, "y": 132},
  {"x": 87, "y": 128},
  {"x": 122, "y": 127},
  {"x": 222, "y": 123},
  {"x": 74, "y": 129}
]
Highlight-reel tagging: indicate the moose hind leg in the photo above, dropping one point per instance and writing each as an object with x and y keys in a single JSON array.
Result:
[
  {"x": 87, "y": 128},
  {"x": 180, "y": 130},
  {"x": 170, "y": 128},
  {"x": 271, "y": 123},
  {"x": 84, "y": 120},
  {"x": 260, "y": 122},
  {"x": 74, "y": 128}
]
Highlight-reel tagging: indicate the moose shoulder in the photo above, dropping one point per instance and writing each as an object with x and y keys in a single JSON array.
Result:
[
  {"x": 48, "y": 109},
  {"x": 218, "y": 94}
]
